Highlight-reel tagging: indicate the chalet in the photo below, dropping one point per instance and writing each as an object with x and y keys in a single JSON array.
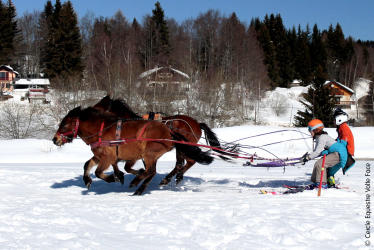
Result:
[
  {"x": 162, "y": 76},
  {"x": 34, "y": 88},
  {"x": 344, "y": 96},
  {"x": 7, "y": 79}
]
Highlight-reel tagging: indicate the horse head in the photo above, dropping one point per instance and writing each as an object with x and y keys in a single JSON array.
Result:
[{"x": 68, "y": 128}]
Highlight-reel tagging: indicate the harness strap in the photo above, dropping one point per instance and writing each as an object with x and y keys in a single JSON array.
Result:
[
  {"x": 76, "y": 128},
  {"x": 118, "y": 129},
  {"x": 142, "y": 131},
  {"x": 118, "y": 134},
  {"x": 101, "y": 132}
]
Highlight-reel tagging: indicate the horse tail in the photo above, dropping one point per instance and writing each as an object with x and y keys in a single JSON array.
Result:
[
  {"x": 212, "y": 140},
  {"x": 210, "y": 136},
  {"x": 193, "y": 152}
]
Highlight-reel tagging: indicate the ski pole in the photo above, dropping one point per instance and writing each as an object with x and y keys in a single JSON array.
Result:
[{"x": 322, "y": 171}]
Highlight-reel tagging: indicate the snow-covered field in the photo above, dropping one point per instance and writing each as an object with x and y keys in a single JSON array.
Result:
[{"x": 45, "y": 205}]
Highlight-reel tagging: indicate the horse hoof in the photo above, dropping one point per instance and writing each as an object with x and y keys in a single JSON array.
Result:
[
  {"x": 164, "y": 182},
  {"x": 178, "y": 179},
  {"x": 137, "y": 192},
  {"x": 87, "y": 181}
]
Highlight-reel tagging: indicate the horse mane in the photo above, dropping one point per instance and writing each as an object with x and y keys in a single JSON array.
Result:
[
  {"x": 75, "y": 112},
  {"x": 93, "y": 114},
  {"x": 121, "y": 108}
]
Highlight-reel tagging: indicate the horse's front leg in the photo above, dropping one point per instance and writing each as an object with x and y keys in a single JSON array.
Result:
[
  {"x": 104, "y": 165},
  {"x": 148, "y": 176},
  {"x": 87, "y": 167},
  {"x": 129, "y": 169},
  {"x": 118, "y": 174}
]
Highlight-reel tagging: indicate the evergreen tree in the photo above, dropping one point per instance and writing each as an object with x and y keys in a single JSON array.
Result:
[
  {"x": 48, "y": 52},
  {"x": 283, "y": 53},
  {"x": 62, "y": 50},
  {"x": 71, "y": 42},
  {"x": 318, "y": 103},
  {"x": 318, "y": 51},
  {"x": 8, "y": 34},
  {"x": 160, "y": 36},
  {"x": 270, "y": 60},
  {"x": 302, "y": 57},
  {"x": 337, "y": 56}
]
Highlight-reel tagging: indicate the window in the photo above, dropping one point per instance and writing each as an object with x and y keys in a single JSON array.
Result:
[{"x": 3, "y": 75}]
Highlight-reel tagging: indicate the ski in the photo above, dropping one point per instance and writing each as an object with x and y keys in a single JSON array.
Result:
[
  {"x": 311, "y": 187},
  {"x": 297, "y": 189},
  {"x": 269, "y": 192}
]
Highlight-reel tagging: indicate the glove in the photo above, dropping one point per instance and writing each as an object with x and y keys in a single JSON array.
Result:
[
  {"x": 324, "y": 152},
  {"x": 304, "y": 158}
]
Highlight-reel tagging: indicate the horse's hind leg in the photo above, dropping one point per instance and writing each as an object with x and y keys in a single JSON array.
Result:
[
  {"x": 183, "y": 170},
  {"x": 87, "y": 167},
  {"x": 151, "y": 172},
  {"x": 177, "y": 168}
]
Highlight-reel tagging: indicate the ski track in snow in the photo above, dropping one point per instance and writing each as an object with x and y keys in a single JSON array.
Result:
[{"x": 46, "y": 206}]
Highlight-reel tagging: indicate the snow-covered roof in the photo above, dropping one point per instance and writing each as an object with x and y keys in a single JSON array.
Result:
[
  {"x": 151, "y": 71},
  {"x": 341, "y": 85},
  {"x": 9, "y": 68},
  {"x": 180, "y": 72},
  {"x": 36, "y": 81}
]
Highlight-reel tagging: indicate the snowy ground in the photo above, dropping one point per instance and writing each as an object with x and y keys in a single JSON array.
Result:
[{"x": 44, "y": 204}]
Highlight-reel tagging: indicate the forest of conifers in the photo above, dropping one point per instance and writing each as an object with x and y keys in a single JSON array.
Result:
[{"x": 109, "y": 53}]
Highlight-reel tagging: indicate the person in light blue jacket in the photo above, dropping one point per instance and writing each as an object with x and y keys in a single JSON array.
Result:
[{"x": 336, "y": 152}]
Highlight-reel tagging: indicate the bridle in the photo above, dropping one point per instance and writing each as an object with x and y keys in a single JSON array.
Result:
[{"x": 74, "y": 132}]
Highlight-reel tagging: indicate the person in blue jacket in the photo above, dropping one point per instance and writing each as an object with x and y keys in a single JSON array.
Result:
[{"x": 336, "y": 152}]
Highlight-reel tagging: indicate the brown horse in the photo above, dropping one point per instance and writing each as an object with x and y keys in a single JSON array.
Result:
[
  {"x": 184, "y": 125},
  {"x": 140, "y": 139}
]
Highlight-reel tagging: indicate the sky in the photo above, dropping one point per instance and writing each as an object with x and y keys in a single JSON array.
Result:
[{"x": 356, "y": 17}]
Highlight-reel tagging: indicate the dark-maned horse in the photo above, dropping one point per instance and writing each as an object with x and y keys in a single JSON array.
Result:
[
  {"x": 188, "y": 127},
  {"x": 147, "y": 140}
]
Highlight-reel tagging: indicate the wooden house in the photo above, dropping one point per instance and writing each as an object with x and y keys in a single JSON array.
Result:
[
  {"x": 7, "y": 79},
  {"x": 162, "y": 76},
  {"x": 163, "y": 85},
  {"x": 343, "y": 95},
  {"x": 34, "y": 88}
]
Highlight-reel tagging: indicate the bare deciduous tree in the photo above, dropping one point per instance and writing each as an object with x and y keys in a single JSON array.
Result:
[{"x": 19, "y": 121}]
